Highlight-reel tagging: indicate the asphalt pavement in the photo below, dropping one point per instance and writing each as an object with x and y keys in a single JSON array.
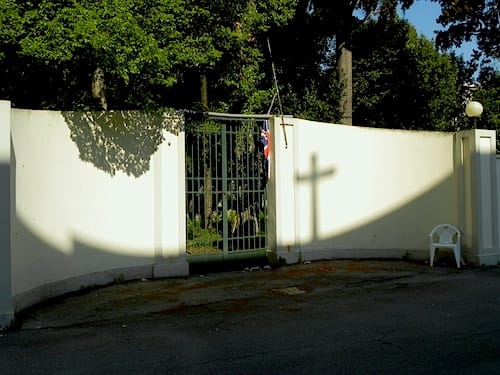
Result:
[{"x": 329, "y": 317}]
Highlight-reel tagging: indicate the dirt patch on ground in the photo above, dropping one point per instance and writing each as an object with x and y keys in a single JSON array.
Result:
[{"x": 230, "y": 291}]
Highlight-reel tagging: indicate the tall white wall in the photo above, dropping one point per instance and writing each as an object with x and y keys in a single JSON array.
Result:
[
  {"x": 361, "y": 192},
  {"x": 70, "y": 218},
  {"x": 76, "y": 224}
]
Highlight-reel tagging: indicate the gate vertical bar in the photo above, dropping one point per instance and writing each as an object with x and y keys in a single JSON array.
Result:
[{"x": 225, "y": 225}]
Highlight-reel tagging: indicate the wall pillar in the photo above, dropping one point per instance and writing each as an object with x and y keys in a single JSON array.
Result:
[
  {"x": 170, "y": 207},
  {"x": 282, "y": 234},
  {"x": 6, "y": 308},
  {"x": 478, "y": 200}
]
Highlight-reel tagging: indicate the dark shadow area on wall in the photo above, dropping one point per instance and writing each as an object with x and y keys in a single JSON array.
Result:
[
  {"x": 121, "y": 141},
  {"x": 85, "y": 265},
  {"x": 5, "y": 275},
  {"x": 313, "y": 178}
]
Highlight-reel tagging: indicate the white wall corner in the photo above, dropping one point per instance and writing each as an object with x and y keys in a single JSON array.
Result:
[
  {"x": 284, "y": 186},
  {"x": 478, "y": 198},
  {"x": 170, "y": 210},
  {"x": 6, "y": 307},
  {"x": 487, "y": 200}
]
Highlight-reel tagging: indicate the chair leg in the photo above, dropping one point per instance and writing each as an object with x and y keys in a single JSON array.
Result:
[
  {"x": 456, "y": 252},
  {"x": 432, "y": 255}
]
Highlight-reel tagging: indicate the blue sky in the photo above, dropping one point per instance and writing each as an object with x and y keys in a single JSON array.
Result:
[{"x": 423, "y": 14}]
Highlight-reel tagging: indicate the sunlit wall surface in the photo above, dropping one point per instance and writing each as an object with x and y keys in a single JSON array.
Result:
[
  {"x": 93, "y": 198},
  {"x": 99, "y": 197},
  {"x": 364, "y": 192}
]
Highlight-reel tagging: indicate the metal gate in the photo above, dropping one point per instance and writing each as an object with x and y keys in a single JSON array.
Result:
[{"x": 226, "y": 178}]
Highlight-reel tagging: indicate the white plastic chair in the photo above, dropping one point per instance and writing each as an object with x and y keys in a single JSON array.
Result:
[{"x": 447, "y": 236}]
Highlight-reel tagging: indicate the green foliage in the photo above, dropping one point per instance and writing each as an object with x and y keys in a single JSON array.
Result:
[
  {"x": 465, "y": 20},
  {"x": 152, "y": 53},
  {"x": 436, "y": 78},
  {"x": 199, "y": 236},
  {"x": 305, "y": 62},
  {"x": 10, "y": 22},
  {"x": 132, "y": 41},
  {"x": 316, "y": 100},
  {"x": 402, "y": 81},
  {"x": 489, "y": 96},
  {"x": 329, "y": 27}
]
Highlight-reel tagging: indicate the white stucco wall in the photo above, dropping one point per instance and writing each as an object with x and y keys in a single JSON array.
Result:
[
  {"x": 335, "y": 192},
  {"x": 77, "y": 225},
  {"x": 362, "y": 192}
]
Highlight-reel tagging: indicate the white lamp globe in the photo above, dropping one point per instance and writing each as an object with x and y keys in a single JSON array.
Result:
[{"x": 473, "y": 109}]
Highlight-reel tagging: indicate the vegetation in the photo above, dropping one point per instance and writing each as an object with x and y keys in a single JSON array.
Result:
[
  {"x": 205, "y": 54},
  {"x": 199, "y": 236},
  {"x": 403, "y": 82},
  {"x": 465, "y": 20},
  {"x": 136, "y": 54},
  {"x": 329, "y": 26}
]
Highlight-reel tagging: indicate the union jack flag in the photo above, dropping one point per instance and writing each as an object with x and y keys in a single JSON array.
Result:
[{"x": 265, "y": 139}]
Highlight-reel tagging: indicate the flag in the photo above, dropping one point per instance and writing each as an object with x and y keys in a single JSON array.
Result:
[{"x": 265, "y": 140}]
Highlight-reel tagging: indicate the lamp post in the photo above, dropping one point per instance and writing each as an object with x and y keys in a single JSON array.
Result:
[{"x": 473, "y": 109}]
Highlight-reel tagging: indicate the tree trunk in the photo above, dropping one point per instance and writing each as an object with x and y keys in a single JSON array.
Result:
[
  {"x": 344, "y": 58},
  {"x": 203, "y": 92},
  {"x": 345, "y": 74},
  {"x": 99, "y": 88}
]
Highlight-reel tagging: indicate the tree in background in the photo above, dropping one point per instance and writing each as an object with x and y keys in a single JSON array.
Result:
[
  {"x": 465, "y": 20},
  {"x": 241, "y": 80},
  {"x": 306, "y": 68},
  {"x": 489, "y": 96},
  {"x": 402, "y": 81},
  {"x": 135, "y": 54},
  {"x": 476, "y": 20},
  {"x": 130, "y": 46},
  {"x": 335, "y": 22},
  {"x": 205, "y": 54}
]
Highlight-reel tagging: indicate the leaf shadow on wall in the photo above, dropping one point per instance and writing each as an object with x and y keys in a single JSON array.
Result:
[{"x": 121, "y": 141}]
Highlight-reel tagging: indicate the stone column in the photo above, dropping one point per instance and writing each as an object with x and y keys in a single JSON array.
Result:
[
  {"x": 6, "y": 308},
  {"x": 170, "y": 207},
  {"x": 478, "y": 196},
  {"x": 281, "y": 201}
]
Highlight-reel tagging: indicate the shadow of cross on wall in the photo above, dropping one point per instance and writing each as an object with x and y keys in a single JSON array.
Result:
[{"x": 314, "y": 177}]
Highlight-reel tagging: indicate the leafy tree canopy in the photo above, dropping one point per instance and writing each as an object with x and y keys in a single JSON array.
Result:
[
  {"x": 144, "y": 48},
  {"x": 402, "y": 81},
  {"x": 468, "y": 19},
  {"x": 489, "y": 96}
]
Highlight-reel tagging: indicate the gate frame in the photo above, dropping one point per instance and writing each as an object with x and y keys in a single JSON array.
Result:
[{"x": 270, "y": 250}]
